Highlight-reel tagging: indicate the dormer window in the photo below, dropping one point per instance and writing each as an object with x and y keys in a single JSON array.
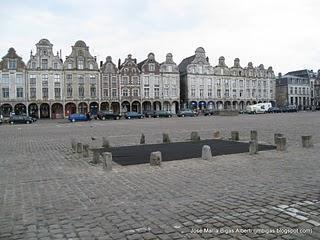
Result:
[
  {"x": 90, "y": 66},
  {"x": 69, "y": 65},
  {"x": 151, "y": 67},
  {"x": 55, "y": 65},
  {"x": 33, "y": 65},
  {"x": 44, "y": 63},
  {"x": 12, "y": 64},
  {"x": 80, "y": 64}
]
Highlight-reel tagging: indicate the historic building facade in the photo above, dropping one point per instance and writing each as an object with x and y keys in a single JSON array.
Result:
[
  {"x": 82, "y": 81},
  {"x": 220, "y": 87},
  {"x": 13, "y": 96},
  {"x": 45, "y": 82},
  {"x": 317, "y": 91},
  {"x": 110, "y": 86}
]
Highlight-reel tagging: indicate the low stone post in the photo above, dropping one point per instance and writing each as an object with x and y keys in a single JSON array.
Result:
[
  {"x": 216, "y": 135},
  {"x": 155, "y": 158},
  {"x": 254, "y": 135},
  {"x": 107, "y": 161},
  {"x": 85, "y": 153},
  {"x": 276, "y": 135},
  {"x": 195, "y": 137},
  {"x": 105, "y": 143},
  {"x": 253, "y": 147},
  {"x": 79, "y": 147},
  {"x": 281, "y": 143},
  {"x": 206, "y": 152},
  {"x": 142, "y": 139},
  {"x": 234, "y": 135},
  {"x": 95, "y": 157},
  {"x": 73, "y": 145},
  {"x": 165, "y": 138},
  {"x": 306, "y": 141}
]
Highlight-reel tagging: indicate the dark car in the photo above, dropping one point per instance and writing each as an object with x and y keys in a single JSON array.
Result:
[
  {"x": 210, "y": 112},
  {"x": 290, "y": 108},
  {"x": 186, "y": 113},
  {"x": 148, "y": 113},
  {"x": 103, "y": 115},
  {"x": 131, "y": 115},
  {"x": 157, "y": 114},
  {"x": 76, "y": 117},
  {"x": 274, "y": 110},
  {"x": 20, "y": 119}
]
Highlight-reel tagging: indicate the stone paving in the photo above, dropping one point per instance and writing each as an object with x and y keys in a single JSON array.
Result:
[{"x": 46, "y": 192}]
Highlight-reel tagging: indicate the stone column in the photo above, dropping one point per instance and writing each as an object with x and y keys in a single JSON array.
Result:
[
  {"x": 107, "y": 161},
  {"x": 281, "y": 143},
  {"x": 206, "y": 152},
  {"x": 306, "y": 141},
  {"x": 234, "y": 135},
  {"x": 95, "y": 157},
  {"x": 254, "y": 135},
  {"x": 155, "y": 158},
  {"x": 105, "y": 143},
  {"x": 73, "y": 145},
  {"x": 254, "y": 138},
  {"x": 165, "y": 138},
  {"x": 253, "y": 147},
  {"x": 85, "y": 151},
  {"x": 195, "y": 137},
  {"x": 79, "y": 147},
  {"x": 276, "y": 135}
]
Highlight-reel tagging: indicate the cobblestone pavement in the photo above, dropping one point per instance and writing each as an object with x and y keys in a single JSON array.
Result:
[{"x": 46, "y": 192}]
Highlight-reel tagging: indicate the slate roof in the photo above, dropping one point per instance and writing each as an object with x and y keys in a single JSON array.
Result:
[
  {"x": 305, "y": 73},
  {"x": 185, "y": 62}
]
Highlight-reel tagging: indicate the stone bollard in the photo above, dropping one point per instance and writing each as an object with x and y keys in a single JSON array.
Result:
[
  {"x": 253, "y": 147},
  {"x": 79, "y": 147},
  {"x": 85, "y": 153},
  {"x": 206, "y": 152},
  {"x": 234, "y": 135},
  {"x": 306, "y": 141},
  {"x": 95, "y": 157},
  {"x": 73, "y": 145},
  {"x": 281, "y": 143},
  {"x": 195, "y": 137},
  {"x": 216, "y": 135},
  {"x": 107, "y": 161},
  {"x": 165, "y": 138},
  {"x": 276, "y": 135},
  {"x": 155, "y": 158},
  {"x": 142, "y": 139},
  {"x": 254, "y": 135},
  {"x": 105, "y": 143}
]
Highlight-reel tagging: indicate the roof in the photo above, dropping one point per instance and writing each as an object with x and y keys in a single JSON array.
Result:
[
  {"x": 12, "y": 54},
  {"x": 305, "y": 73},
  {"x": 140, "y": 64},
  {"x": 80, "y": 43},
  {"x": 185, "y": 62},
  {"x": 44, "y": 41}
]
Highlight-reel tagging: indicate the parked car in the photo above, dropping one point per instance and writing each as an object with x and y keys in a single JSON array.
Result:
[
  {"x": 148, "y": 113},
  {"x": 130, "y": 115},
  {"x": 290, "y": 108},
  {"x": 274, "y": 110},
  {"x": 20, "y": 119},
  {"x": 103, "y": 115},
  {"x": 157, "y": 114},
  {"x": 186, "y": 113},
  {"x": 76, "y": 117},
  {"x": 209, "y": 112}
]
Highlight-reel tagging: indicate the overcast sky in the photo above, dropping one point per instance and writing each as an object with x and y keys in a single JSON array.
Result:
[{"x": 284, "y": 34}]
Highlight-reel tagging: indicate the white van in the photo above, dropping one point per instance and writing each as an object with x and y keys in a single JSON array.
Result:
[{"x": 258, "y": 108}]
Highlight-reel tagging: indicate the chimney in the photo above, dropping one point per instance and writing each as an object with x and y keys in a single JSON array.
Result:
[
  {"x": 101, "y": 63},
  {"x": 60, "y": 54},
  {"x": 95, "y": 58},
  {"x": 279, "y": 75},
  {"x": 207, "y": 59},
  {"x": 119, "y": 63}
]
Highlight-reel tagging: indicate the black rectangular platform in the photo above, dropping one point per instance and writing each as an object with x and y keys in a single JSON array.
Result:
[{"x": 140, "y": 154}]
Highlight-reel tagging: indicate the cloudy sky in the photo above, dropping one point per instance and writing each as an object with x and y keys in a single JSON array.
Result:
[{"x": 280, "y": 33}]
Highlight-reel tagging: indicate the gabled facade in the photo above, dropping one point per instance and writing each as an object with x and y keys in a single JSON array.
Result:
[
  {"x": 45, "y": 82},
  {"x": 82, "y": 81},
  {"x": 13, "y": 96}
]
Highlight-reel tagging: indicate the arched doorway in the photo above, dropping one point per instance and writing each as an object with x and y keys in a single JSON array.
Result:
[
  {"x": 193, "y": 105},
  {"x": 83, "y": 108},
  {"x": 248, "y": 103},
  {"x": 6, "y": 109},
  {"x": 57, "y": 110},
  {"x": 241, "y": 105},
  {"x": 115, "y": 107},
  {"x": 33, "y": 110},
  {"x": 146, "y": 106},
  {"x": 70, "y": 108},
  {"x": 175, "y": 107},
  {"x": 254, "y": 102},
  {"x": 44, "y": 110},
  {"x": 136, "y": 106},
  {"x": 157, "y": 106},
  {"x": 220, "y": 105},
  {"x": 234, "y": 105},
  {"x": 104, "y": 106},
  {"x": 202, "y": 105},
  {"x": 227, "y": 105},
  {"x": 211, "y": 105},
  {"x": 94, "y": 108},
  {"x": 167, "y": 106},
  {"x": 125, "y": 106},
  {"x": 20, "y": 109}
]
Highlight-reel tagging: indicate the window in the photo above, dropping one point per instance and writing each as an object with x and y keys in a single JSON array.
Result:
[
  {"x": 166, "y": 92},
  {"x": 114, "y": 92},
  {"x": 92, "y": 79},
  {"x": 201, "y": 92},
  {"x": 90, "y": 66},
  {"x": 241, "y": 93},
  {"x": 303, "y": 91},
  {"x": 69, "y": 90},
  {"x": 234, "y": 93},
  {"x": 81, "y": 90},
  {"x": 125, "y": 80},
  {"x": 226, "y": 93},
  {"x": 55, "y": 65},
  {"x": 33, "y": 92},
  {"x": 156, "y": 92},
  {"x": 169, "y": 68},
  {"x": 69, "y": 78},
  {"x": 135, "y": 92},
  {"x": 57, "y": 78},
  {"x": 12, "y": 63},
  {"x": 5, "y": 92},
  {"x": 19, "y": 92},
  {"x": 44, "y": 63},
  {"x": 151, "y": 67},
  {"x": 299, "y": 90},
  {"x": 93, "y": 92},
  {"x": 241, "y": 83},
  {"x": 45, "y": 92},
  {"x": 156, "y": 80},
  {"x": 105, "y": 82},
  {"x": 57, "y": 92},
  {"x": 135, "y": 80},
  {"x": 105, "y": 92},
  {"x": 295, "y": 90},
  {"x": 174, "y": 91},
  {"x": 193, "y": 92},
  {"x": 33, "y": 65},
  {"x": 44, "y": 79},
  {"x": 114, "y": 82},
  {"x": 291, "y": 90},
  {"x": 81, "y": 79},
  {"x": 146, "y": 80},
  {"x": 125, "y": 92},
  {"x": 19, "y": 79},
  {"x": 219, "y": 93},
  {"x": 146, "y": 92},
  {"x": 80, "y": 64},
  {"x": 5, "y": 78},
  {"x": 69, "y": 65},
  {"x": 209, "y": 92},
  {"x": 248, "y": 93}
]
